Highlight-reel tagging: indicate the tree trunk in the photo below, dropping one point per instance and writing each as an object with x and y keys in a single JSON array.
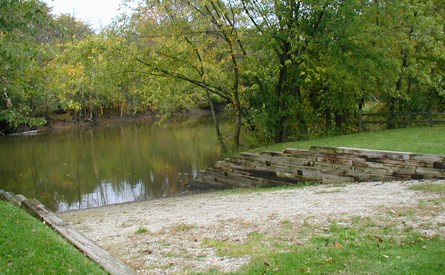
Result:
[
  {"x": 328, "y": 118},
  {"x": 339, "y": 120},
  {"x": 281, "y": 91},
  {"x": 237, "y": 133},
  {"x": 216, "y": 124}
]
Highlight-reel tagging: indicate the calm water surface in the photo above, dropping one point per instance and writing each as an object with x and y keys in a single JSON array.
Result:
[{"x": 98, "y": 166}]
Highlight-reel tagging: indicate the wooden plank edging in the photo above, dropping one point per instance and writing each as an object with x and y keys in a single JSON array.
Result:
[{"x": 85, "y": 245}]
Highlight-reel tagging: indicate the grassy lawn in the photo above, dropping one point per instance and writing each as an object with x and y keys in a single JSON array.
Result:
[
  {"x": 429, "y": 140},
  {"x": 385, "y": 244},
  {"x": 29, "y": 247},
  {"x": 358, "y": 249}
]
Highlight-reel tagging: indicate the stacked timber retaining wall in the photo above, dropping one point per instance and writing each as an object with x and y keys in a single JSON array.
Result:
[{"x": 320, "y": 164}]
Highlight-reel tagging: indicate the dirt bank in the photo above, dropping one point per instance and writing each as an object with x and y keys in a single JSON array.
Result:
[{"x": 167, "y": 236}]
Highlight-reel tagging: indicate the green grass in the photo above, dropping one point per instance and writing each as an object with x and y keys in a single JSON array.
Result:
[
  {"x": 429, "y": 140},
  {"x": 429, "y": 188},
  {"x": 248, "y": 190},
  {"x": 358, "y": 250},
  {"x": 141, "y": 230},
  {"x": 254, "y": 245},
  {"x": 364, "y": 247},
  {"x": 29, "y": 247}
]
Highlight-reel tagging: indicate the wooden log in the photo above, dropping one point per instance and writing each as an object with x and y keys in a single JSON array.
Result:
[
  {"x": 252, "y": 179},
  {"x": 292, "y": 153},
  {"x": 429, "y": 158},
  {"x": 268, "y": 169},
  {"x": 335, "y": 160},
  {"x": 202, "y": 184},
  {"x": 221, "y": 178},
  {"x": 267, "y": 163},
  {"x": 109, "y": 263},
  {"x": 431, "y": 173},
  {"x": 11, "y": 198},
  {"x": 367, "y": 152},
  {"x": 261, "y": 161},
  {"x": 370, "y": 154},
  {"x": 242, "y": 162},
  {"x": 323, "y": 149},
  {"x": 271, "y": 153},
  {"x": 300, "y": 176},
  {"x": 336, "y": 179},
  {"x": 439, "y": 165},
  {"x": 295, "y": 151}
]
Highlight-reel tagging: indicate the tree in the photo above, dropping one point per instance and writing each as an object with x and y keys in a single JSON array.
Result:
[
  {"x": 293, "y": 31},
  {"x": 64, "y": 29},
  {"x": 90, "y": 78},
  {"x": 415, "y": 34},
  {"x": 20, "y": 62},
  {"x": 197, "y": 43}
]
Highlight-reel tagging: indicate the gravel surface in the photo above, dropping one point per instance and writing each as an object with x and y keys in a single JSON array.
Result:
[{"x": 167, "y": 236}]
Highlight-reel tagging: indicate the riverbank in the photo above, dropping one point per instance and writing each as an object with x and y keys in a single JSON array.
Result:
[
  {"x": 63, "y": 122},
  {"x": 184, "y": 234}
]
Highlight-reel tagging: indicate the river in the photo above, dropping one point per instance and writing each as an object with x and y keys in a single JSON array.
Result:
[{"x": 103, "y": 165}]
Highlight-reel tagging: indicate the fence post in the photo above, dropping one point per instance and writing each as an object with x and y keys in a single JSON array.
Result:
[
  {"x": 430, "y": 117},
  {"x": 360, "y": 115}
]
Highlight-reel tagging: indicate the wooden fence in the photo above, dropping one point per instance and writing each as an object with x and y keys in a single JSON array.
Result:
[{"x": 399, "y": 119}]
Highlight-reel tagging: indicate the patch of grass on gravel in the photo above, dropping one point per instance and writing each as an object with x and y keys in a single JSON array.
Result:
[
  {"x": 429, "y": 187},
  {"x": 29, "y": 247},
  {"x": 236, "y": 191},
  {"x": 141, "y": 230},
  {"x": 254, "y": 245},
  {"x": 182, "y": 227}
]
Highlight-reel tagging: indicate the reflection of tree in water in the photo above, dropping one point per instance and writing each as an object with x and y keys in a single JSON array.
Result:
[{"x": 101, "y": 166}]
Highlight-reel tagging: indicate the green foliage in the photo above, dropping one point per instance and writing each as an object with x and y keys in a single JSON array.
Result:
[
  {"x": 22, "y": 76},
  {"x": 28, "y": 246},
  {"x": 15, "y": 119},
  {"x": 283, "y": 69},
  {"x": 88, "y": 77},
  {"x": 195, "y": 45}
]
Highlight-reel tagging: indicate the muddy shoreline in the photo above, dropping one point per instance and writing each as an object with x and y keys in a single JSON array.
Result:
[{"x": 63, "y": 123}]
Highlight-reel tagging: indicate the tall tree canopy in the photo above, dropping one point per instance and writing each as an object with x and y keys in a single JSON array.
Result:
[{"x": 283, "y": 69}]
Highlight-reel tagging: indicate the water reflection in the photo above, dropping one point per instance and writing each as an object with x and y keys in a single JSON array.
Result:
[
  {"x": 106, "y": 165},
  {"x": 105, "y": 193}
]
